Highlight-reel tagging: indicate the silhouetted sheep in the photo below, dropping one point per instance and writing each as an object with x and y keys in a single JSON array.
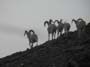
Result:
[
  {"x": 80, "y": 25},
  {"x": 59, "y": 27},
  {"x": 31, "y": 37},
  {"x": 51, "y": 28},
  {"x": 66, "y": 28}
]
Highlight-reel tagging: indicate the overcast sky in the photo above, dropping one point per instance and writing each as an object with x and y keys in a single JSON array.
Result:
[{"x": 19, "y": 15}]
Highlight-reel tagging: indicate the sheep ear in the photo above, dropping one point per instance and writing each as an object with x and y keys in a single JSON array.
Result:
[{"x": 46, "y": 22}]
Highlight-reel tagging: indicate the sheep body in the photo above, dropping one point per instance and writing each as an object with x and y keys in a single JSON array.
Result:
[
  {"x": 31, "y": 37},
  {"x": 66, "y": 28},
  {"x": 59, "y": 27},
  {"x": 51, "y": 29},
  {"x": 80, "y": 25}
]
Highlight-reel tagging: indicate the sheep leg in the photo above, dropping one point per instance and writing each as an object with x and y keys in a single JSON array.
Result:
[
  {"x": 58, "y": 34},
  {"x": 65, "y": 33},
  {"x": 48, "y": 36},
  {"x": 61, "y": 33},
  {"x": 52, "y": 35},
  {"x": 79, "y": 34},
  {"x": 32, "y": 45},
  {"x": 29, "y": 44},
  {"x": 37, "y": 43}
]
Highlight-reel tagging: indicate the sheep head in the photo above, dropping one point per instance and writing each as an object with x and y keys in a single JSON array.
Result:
[
  {"x": 80, "y": 19},
  {"x": 50, "y": 21},
  {"x": 31, "y": 31},
  {"x": 26, "y": 32},
  {"x": 58, "y": 21},
  {"x": 47, "y": 22}
]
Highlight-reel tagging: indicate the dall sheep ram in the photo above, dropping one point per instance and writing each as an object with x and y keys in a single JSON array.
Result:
[
  {"x": 51, "y": 29},
  {"x": 59, "y": 27},
  {"x": 66, "y": 28},
  {"x": 80, "y": 25},
  {"x": 32, "y": 37}
]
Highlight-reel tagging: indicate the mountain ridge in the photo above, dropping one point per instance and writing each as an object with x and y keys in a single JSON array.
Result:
[{"x": 60, "y": 52}]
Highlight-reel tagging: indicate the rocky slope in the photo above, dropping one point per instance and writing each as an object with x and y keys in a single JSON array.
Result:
[{"x": 60, "y": 52}]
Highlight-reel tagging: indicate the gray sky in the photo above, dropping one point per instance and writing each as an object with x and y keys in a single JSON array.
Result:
[{"x": 19, "y": 15}]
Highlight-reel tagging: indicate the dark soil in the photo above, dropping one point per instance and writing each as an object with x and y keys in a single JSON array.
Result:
[{"x": 60, "y": 52}]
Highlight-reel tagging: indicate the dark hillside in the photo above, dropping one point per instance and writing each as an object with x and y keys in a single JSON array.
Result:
[{"x": 61, "y": 52}]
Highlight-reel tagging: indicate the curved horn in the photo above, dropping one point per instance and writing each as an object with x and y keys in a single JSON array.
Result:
[
  {"x": 25, "y": 32},
  {"x": 46, "y": 22},
  {"x": 56, "y": 21},
  {"x": 74, "y": 20},
  {"x": 31, "y": 31},
  {"x": 80, "y": 19}
]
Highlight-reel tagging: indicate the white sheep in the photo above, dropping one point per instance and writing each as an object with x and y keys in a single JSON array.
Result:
[
  {"x": 32, "y": 37},
  {"x": 59, "y": 27},
  {"x": 51, "y": 29},
  {"x": 80, "y": 25}
]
